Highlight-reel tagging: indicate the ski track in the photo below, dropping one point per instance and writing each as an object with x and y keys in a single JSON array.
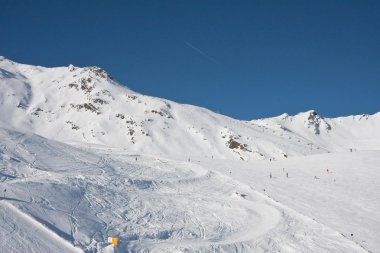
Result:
[
  {"x": 21, "y": 233},
  {"x": 152, "y": 205}
]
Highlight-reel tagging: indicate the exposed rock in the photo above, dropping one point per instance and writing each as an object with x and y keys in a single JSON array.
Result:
[
  {"x": 119, "y": 115},
  {"x": 315, "y": 122},
  {"x": 73, "y": 126},
  {"x": 71, "y": 67},
  {"x": 74, "y": 85},
  {"x": 85, "y": 85},
  {"x": 132, "y": 97},
  {"x": 99, "y": 72},
  {"x": 99, "y": 101},
  {"x": 232, "y": 143},
  {"x": 87, "y": 107}
]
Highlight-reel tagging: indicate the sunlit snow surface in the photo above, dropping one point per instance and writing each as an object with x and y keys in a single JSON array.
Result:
[{"x": 83, "y": 196}]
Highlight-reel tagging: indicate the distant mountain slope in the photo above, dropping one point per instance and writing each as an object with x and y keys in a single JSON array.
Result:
[
  {"x": 359, "y": 132},
  {"x": 84, "y": 105}
]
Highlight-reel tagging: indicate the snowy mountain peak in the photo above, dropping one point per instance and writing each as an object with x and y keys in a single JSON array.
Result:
[
  {"x": 85, "y": 106},
  {"x": 99, "y": 72},
  {"x": 71, "y": 67},
  {"x": 314, "y": 121},
  {"x": 308, "y": 113}
]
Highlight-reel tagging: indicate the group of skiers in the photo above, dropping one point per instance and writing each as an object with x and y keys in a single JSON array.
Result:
[
  {"x": 283, "y": 170},
  {"x": 287, "y": 174}
]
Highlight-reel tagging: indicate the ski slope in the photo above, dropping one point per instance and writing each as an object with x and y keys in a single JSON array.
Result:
[
  {"x": 339, "y": 190},
  {"x": 21, "y": 233},
  {"x": 152, "y": 204}
]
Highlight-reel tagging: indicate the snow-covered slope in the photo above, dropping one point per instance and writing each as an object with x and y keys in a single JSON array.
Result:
[
  {"x": 58, "y": 194},
  {"x": 360, "y": 132},
  {"x": 339, "y": 190},
  {"x": 84, "y": 105}
]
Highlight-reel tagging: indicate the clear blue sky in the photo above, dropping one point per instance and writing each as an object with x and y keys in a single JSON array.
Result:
[{"x": 245, "y": 59}]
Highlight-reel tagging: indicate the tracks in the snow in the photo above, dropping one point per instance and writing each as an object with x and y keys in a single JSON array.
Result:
[{"x": 216, "y": 217}]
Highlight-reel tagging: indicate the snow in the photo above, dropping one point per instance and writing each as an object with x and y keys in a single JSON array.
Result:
[
  {"x": 108, "y": 249},
  {"x": 84, "y": 196},
  {"x": 345, "y": 197},
  {"x": 166, "y": 177},
  {"x": 21, "y": 233}
]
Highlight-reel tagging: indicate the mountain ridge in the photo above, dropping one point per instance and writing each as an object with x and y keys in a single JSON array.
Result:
[{"x": 85, "y": 105}]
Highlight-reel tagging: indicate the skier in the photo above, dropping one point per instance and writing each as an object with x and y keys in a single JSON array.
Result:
[
  {"x": 136, "y": 159},
  {"x": 287, "y": 174},
  {"x": 5, "y": 191},
  {"x": 270, "y": 175}
]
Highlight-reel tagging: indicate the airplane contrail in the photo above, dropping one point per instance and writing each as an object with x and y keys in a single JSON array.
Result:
[{"x": 200, "y": 52}]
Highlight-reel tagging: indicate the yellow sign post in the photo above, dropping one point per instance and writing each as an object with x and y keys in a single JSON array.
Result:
[{"x": 113, "y": 240}]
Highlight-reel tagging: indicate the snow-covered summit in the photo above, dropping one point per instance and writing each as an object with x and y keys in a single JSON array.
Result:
[
  {"x": 86, "y": 106},
  {"x": 311, "y": 119}
]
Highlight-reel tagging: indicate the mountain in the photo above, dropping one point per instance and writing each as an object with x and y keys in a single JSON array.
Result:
[
  {"x": 83, "y": 158},
  {"x": 85, "y": 106}
]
